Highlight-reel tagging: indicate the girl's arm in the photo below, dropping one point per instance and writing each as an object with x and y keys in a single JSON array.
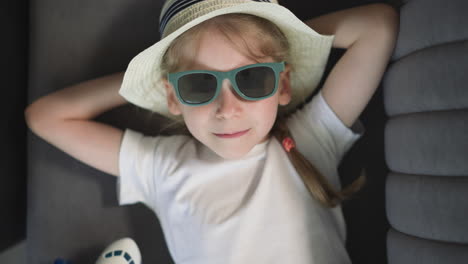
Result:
[
  {"x": 63, "y": 119},
  {"x": 369, "y": 34}
]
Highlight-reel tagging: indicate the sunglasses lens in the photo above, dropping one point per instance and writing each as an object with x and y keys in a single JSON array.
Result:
[
  {"x": 256, "y": 82},
  {"x": 197, "y": 88}
]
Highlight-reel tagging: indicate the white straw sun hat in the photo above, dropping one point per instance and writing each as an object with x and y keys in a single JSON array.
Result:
[{"x": 309, "y": 50}]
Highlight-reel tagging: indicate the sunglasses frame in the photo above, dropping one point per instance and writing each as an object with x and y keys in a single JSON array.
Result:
[{"x": 277, "y": 68}]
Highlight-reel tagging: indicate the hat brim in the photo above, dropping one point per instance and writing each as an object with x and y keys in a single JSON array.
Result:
[{"x": 309, "y": 51}]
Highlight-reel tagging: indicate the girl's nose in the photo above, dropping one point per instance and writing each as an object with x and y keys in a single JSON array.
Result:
[{"x": 228, "y": 102}]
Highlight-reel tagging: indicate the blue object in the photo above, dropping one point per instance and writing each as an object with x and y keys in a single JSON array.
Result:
[{"x": 111, "y": 254}]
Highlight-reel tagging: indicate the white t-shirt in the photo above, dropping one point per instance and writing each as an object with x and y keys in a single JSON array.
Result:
[{"x": 252, "y": 210}]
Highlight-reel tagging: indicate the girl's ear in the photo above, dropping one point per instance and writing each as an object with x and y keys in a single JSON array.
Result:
[
  {"x": 285, "y": 86},
  {"x": 172, "y": 101}
]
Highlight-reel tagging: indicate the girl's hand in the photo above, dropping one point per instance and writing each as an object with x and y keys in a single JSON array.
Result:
[{"x": 63, "y": 119}]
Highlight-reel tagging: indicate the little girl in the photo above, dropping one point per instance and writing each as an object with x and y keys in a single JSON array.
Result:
[{"x": 255, "y": 180}]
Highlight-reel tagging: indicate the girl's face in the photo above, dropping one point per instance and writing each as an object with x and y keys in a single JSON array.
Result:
[{"x": 228, "y": 113}]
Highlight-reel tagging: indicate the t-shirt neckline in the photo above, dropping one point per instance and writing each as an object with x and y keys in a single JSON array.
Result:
[{"x": 258, "y": 149}]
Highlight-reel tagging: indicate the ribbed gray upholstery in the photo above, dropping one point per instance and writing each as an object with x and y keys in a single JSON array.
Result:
[
  {"x": 431, "y": 207},
  {"x": 427, "y": 23},
  {"x": 408, "y": 249},
  {"x": 412, "y": 89},
  {"x": 431, "y": 142},
  {"x": 426, "y": 135}
]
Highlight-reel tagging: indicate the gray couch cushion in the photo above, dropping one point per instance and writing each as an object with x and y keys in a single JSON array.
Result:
[
  {"x": 426, "y": 136},
  {"x": 427, "y": 23},
  {"x": 430, "y": 79},
  {"x": 405, "y": 249},
  {"x": 431, "y": 207},
  {"x": 433, "y": 143}
]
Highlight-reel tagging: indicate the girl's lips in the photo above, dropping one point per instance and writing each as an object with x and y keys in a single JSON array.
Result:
[{"x": 237, "y": 134}]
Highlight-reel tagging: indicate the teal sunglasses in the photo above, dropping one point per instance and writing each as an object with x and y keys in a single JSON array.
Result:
[{"x": 252, "y": 82}]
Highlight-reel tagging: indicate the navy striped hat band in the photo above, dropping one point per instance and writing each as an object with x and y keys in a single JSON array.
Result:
[{"x": 175, "y": 7}]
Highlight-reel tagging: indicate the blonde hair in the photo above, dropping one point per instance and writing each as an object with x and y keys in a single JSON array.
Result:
[{"x": 270, "y": 42}]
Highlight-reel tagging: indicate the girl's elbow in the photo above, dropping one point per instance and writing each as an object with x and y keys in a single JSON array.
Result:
[
  {"x": 386, "y": 21},
  {"x": 31, "y": 117},
  {"x": 34, "y": 115},
  {"x": 388, "y": 17}
]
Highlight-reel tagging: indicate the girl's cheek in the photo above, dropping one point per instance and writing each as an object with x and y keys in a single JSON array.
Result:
[
  {"x": 195, "y": 116},
  {"x": 198, "y": 112}
]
